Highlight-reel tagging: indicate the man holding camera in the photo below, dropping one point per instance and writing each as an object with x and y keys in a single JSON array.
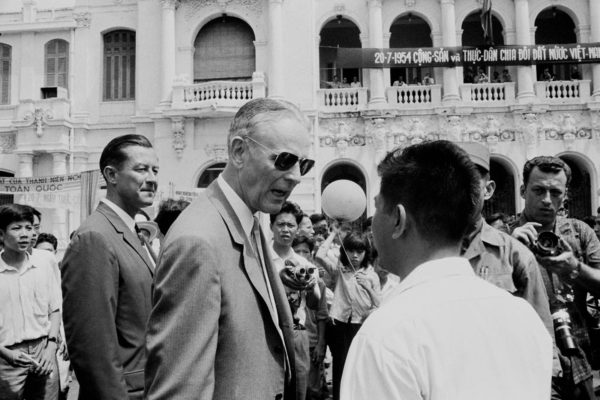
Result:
[{"x": 571, "y": 262}]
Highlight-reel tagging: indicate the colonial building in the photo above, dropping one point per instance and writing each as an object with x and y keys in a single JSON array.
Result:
[{"x": 76, "y": 73}]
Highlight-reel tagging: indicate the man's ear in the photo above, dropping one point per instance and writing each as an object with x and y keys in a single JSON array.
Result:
[
  {"x": 400, "y": 225},
  {"x": 522, "y": 190},
  {"x": 237, "y": 151},
  {"x": 110, "y": 174},
  {"x": 490, "y": 188}
]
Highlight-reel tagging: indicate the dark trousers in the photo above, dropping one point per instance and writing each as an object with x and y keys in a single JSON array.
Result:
[
  {"x": 564, "y": 390},
  {"x": 339, "y": 337}
]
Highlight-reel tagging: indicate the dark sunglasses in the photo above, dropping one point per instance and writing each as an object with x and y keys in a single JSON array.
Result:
[{"x": 284, "y": 160}]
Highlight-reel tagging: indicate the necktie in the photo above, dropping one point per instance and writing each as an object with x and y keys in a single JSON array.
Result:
[
  {"x": 257, "y": 243},
  {"x": 145, "y": 245}
]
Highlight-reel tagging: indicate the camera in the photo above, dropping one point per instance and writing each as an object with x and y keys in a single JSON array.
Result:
[
  {"x": 562, "y": 330},
  {"x": 547, "y": 244},
  {"x": 299, "y": 272}
]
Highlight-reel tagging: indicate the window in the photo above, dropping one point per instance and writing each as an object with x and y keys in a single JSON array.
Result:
[
  {"x": 224, "y": 50},
  {"x": 5, "y": 51},
  {"x": 210, "y": 174},
  {"x": 57, "y": 63},
  {"x": 119, "y": 65}
]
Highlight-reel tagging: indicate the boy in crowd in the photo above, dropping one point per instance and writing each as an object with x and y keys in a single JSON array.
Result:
[{"x": 30, "y": 311}]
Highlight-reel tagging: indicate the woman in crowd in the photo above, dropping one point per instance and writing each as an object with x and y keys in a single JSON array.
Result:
[{"x": 357, "y": 293}]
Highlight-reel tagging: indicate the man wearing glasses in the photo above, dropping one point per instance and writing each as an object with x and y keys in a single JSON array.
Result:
[{"x": 220, "y": 326}]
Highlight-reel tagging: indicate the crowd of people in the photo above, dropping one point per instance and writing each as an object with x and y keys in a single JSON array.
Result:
[{"x": 210, "y": 300}]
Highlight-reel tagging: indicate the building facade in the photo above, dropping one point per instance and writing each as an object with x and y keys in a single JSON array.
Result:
[{"x": 76, "y": 73}]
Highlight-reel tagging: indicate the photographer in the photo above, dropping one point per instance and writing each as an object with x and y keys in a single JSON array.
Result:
[{"x": 571, "y": 268}]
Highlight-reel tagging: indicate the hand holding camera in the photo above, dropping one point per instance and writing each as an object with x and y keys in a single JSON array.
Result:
[{"x": 298, "y": 277}]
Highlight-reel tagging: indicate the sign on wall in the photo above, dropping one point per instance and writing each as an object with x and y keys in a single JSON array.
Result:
[{"x": 464, "y": 56}]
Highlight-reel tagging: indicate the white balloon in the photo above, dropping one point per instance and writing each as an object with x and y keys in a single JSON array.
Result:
[{"x": 343, "y": 200}]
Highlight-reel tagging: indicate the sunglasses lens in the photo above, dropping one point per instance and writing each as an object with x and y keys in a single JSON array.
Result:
[
  {"x": 285, "y": 161},
  {"x": 306, "y": 165}
]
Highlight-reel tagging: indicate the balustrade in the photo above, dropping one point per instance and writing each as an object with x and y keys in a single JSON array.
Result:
[
  {"x": 414, "y": 95},
  {"x": 488, "y": 93},
  {"x": 343, "y": 99},
  {"x": 563, "y": 91}
]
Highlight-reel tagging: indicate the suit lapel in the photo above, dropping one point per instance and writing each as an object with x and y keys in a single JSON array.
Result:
[
  {"x": 250, "y": 262},
  {"x": 128, "y": 236}
]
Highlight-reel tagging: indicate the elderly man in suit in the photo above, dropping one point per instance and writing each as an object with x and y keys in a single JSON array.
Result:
[
  {"x": 107, "y": 278},
  {"x": 220, "y": 326}
]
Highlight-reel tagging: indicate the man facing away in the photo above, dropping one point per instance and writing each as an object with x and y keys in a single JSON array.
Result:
[
  {"x": 443, "y": 333},
  {"x": 220, "y": 326},
  {"x": 107, "y": 278}
]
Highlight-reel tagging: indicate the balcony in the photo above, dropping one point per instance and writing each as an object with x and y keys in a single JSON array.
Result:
[
  {"x": 226, "y": 96},
  {"x": 563, "y": 92},
  {"x": 414, "y": 96},
  {"x": 488, "y": 94},
  {"x": 342, "y": 100}
]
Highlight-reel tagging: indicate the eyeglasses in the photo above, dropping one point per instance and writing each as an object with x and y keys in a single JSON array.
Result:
[{"x": 284, "y": 160}]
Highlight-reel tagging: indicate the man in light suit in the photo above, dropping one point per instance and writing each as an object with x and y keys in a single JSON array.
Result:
[
  {"x": 107, "y": 278},
  {"x": 220, "y": 326}
]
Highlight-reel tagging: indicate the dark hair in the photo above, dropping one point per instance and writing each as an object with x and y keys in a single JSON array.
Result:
[
  {"x": 437, "y": 184},
  {"x": 495, "y": 217},
  {"x": 168, "y": 211},
  {"x": 35, "y": 212},
  {"x": 546, "y": 164},
  {"x": 289, "y": 208},
  {"x": 356, "y": 241},
  {"x": 298, "y": 240},
  {"x": 314, "y": 218},
  {"x": 321, "y": 230},
  {"x": 49, "y": 238},
  {"x": 10, "y": 213},
  {"x": 113, "y": 153}
]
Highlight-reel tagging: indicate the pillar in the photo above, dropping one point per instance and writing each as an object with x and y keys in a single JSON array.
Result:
[
  {"x": 79, "y": 162},
  {"x": 25, "y": 164},
  {"x": 275, "y": 78},
  {"x": 451, "y": 94},
  {"x": 525, "y": 92},
  {"x": 595, "y": 37},
  {"x": 168, "y": 50},
  {"x": 376, "y": 83}
]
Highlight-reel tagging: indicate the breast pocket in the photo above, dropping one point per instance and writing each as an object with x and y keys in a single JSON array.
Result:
[
  {"x": 40, "y": 302},
  {"x": 496, "y": 272}
]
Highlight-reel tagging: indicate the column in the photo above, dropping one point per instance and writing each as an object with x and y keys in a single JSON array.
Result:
[
  {"x": 275, "y": 78},
  {"x": 79, "y": 66},
  {"x": 595, "y": 37},
  {"x": 59, "y": 216},
  {"x": 25, "y": 164},
  {"x": 525, "y": 92},
  {"x": 168, "y": 50},
  {"x": 79, "y": 162},
  {"x": 59, "y": 163},
  {"x": 449, "y": 40},
  {"x": 376, "y": 84}
]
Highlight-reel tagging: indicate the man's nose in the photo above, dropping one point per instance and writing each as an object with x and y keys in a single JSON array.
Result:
[
  {"x": 293, "y": 174},
  {"x": 547, "y": 199}
]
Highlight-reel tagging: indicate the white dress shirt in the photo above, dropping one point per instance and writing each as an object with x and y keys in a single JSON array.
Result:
[{"x": 445, "y": 334}]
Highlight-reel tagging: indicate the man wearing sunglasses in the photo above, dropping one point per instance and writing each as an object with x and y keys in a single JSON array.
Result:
[{"x": 221, "y": 327}]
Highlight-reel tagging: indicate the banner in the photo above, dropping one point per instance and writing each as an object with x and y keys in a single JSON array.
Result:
[{"x": 580, "y": 53}]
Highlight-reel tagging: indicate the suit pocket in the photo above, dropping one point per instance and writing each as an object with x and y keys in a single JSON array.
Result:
[{"x": 134, "y": 380}]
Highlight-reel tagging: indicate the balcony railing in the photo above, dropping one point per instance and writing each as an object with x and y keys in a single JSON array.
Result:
[
  {"x": 414, "y": 96},
  {"x": 488, "y": 93},
  {"x": 342, "y": 100},
  {"x": 218, "y": 94},
  {"x": 563, "y": 91}
]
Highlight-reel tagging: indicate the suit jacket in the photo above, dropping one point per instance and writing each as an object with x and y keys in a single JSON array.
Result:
[
  {"x": 106, "y": 283},
  {"x": 212, "y": 332}
]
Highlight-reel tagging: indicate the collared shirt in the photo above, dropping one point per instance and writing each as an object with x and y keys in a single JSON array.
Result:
[
  {"x": 351, "y": 302},
  {"x": 27, "y": 298},
  {"x": 444, "y": 334}
]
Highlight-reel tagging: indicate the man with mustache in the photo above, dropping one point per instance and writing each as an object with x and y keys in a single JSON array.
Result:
[
  {"x": 221, "y": 327},
  {"x": 107, "y": 278}
]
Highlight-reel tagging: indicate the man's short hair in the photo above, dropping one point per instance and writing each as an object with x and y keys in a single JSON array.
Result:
[
  {"x": 289, "y": 208},
  {"x": 168, "y": 211},
  {"x": 113, "y": 153},
  {"x": 546, "y": 164},
  {"x": 10, "y": 213},
  {"x": 356, "y": 241},
  {"x": 316, "y": 217},
  {"x": 437, "y": 184},
  {"x": 259, "y": 111},
  {"x": 302, "y": 239},
  {"x": 47, "y": 238},
  {"x": 35, "y": 212}
]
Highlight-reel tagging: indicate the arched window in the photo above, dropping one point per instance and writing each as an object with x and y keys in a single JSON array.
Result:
[
  {"x": 410, "y": 31},
  {"x": 57, "y": 63},
  {"x": 340, "y": 32},
  {"x": 579, "y": 193},
  {"x": 119, "y": 65},
  {"x": 349, "y": 172},
  {"x": 224, "y": 51},
  {"x": 5, "y": 59},
  {"x": 472, "y": 35},
  {"x": 553, "y": 26},
  {"x": 210, "y": 174},
  {"x": 503, "y": 200}
]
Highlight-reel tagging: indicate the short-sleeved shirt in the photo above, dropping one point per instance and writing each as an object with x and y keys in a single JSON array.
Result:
[
  {"x": 27, "y": 298},
  {"x": 352, "y": 303}
]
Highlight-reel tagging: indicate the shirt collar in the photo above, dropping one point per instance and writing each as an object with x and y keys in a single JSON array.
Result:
[
  {"x": 5, "y": 267},
  {"x": 491, "y": 235},
  {"x": 129, "y": 222},
  {"x": 435, "y": 270},
  {"x": 241, "y": 210}
]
